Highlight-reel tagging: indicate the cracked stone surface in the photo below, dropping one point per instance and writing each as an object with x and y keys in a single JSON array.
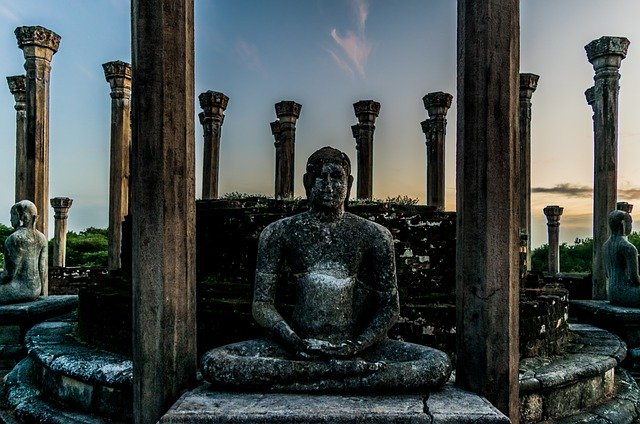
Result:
[{"x": 449, "y": 405}]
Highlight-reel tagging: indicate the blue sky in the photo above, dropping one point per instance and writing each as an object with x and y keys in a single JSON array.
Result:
[{"x": 326, "y": 55}]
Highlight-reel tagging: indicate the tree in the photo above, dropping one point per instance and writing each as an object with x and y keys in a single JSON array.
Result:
[
  {"x": 87, "y": 248},
  {"x": 4, "y": 233}
]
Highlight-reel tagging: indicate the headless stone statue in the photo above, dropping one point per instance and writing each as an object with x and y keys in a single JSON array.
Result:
[
  {"x": 25, "y": 257},
  {"x": 621, "y": 262},
  {"x": 346, "y": 299}
]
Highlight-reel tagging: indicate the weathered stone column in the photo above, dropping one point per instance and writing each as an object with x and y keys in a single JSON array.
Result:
[
  {"x": 162, "y": 205},
  {"x": 284, "y": 132},
  {"x": 61, "y": 207},
  {"x": 38, "y": 45},
  {"x": 553, "y": 214},
  {"x": 213, "y": 105},
  {"x": 605, "y": 54},
  {"x": 118, "y": 75},
  {"x": 624, "y": 206},
  {"x": 528, "y": 84},
  {"x": 366, "y": 111},
  {"x": 487, "y": 289},
  {"x": 17, "y": 88},
  {"x": 437, "y": 104}
]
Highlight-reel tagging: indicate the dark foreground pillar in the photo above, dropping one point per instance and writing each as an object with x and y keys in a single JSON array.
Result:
[
  {"x": 163, "y": 205},
  {"x": 605, "y": 54},
  {"x": 487, "y": 220}
]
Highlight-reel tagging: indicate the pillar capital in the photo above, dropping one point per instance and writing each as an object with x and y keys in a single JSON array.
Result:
[
  {"x": 213, "y": 104},
  {"x": 624, "y": 206},
  {"x": 41, "y": 41},
  {"x": 590, "y": 95},
  {"x": 117, "y": 69},
  {"x": 18, "y": 89},
  {"x": 437, "y": 103},
  {"x": 426, "y": 127},
  {"x": 366, "y": 110},
  {"x": 528, "y": 84},
  {"x": 607, "y": 52},
  {"x": 61, "y": 206},
  {"x": 553, "y": 213},
  {"x": 288, "y": 111}
]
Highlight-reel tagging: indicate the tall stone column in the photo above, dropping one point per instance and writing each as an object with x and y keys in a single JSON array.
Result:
[
  {"x": 528, "y": 84},
  {"x": 487, "y": 289},
  {"x": 366, "y": 111},
  {"x": 624, "y": 206},
  {"x": 61, "y": 207},
  {"x": 553, "y": 214},
  {"x": 38, "y": 45},
  {"x": 284, "y": 132},
  {"x": 437, "y": 104},
  {"x": 17, "y": 88},
  {"x": 213, "y": 105},
  {"x": 162, "y": 205},
  {"x": 118, "y": 75},
  {"x": 605, "y": 54}
]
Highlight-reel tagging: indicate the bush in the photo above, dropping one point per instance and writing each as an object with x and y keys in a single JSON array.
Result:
[{"x": 88, "y": 248}]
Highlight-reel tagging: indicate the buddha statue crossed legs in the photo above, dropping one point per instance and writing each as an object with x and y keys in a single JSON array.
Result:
[
  {"x": 25, "y": 257},
  {"x": 346, "y": 300}
]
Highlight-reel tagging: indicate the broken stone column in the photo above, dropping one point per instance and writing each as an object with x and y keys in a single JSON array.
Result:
[
  {"x": 162, "y": 205},
  {"x": 487, "y": 283},
  {"x": 61, "y": 207},
  {"x": 553, "y": 214},
  {"x": 605, "y": 54},
  {"x": 437, "y": 104},
  {"x": 213, "y": 105},
  {"x": 528, "y": 84},
  {"x": 624, "y": 206},
  {"x": 17, "y": 88},
  {"x": 118, "y": 75},
  {"x": 284, "y": 132},
  {"x": 38, "y": 45},
  {"x": 366, "y": 111}
]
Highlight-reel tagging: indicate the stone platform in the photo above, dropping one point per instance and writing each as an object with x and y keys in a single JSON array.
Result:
[
  {"x": 449, "y": 405},
  {"x": 16, "y": 319}
]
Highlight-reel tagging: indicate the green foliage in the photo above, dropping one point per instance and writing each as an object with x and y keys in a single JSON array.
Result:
[
  {"x": 87, "y": 248},
  {"x": 4, "y": 233}
]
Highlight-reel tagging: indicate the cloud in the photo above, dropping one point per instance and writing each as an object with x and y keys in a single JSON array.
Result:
[
  {"x": 354, "y": 46},
  {"x": 248, "y": 54},
  {"x": 581, "y": 191},
  {"x": 9, "y": 14}
]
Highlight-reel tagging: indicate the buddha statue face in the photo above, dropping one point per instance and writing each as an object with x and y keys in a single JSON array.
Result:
[
  {"x": 620, "y": 223},
  {"x": 328, "y": 179}
]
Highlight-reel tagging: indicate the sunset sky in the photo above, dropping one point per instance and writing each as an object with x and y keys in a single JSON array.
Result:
[{"x": 326, "y": 55}]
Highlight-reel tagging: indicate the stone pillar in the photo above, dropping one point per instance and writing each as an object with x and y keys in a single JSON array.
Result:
[
  {"x": 38, "y": 45},
  {"x": 553, "y": 214},
  {"x": 437, "y": 104},
  {"x": 284, "y": 132},
  {"x": 118, "y": 75},
  {"x": 528, "y": 84},
  {"x": 60, "y": 207},
  {"x": 605, "y": 54},
  {"x": 213, "y": 105},
  {"x": 624, "y": 206},
  {"x": 487, "y": 289},
  {"x": 17, "y": 88},
  {"x": 162, "y": 205},
  {"x": 366, "y": 111}
]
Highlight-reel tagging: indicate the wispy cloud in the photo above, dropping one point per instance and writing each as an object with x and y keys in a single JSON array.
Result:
[
  {"x": 354, "y": 46},
  {"x": 248, "y": 54},
  {"x": 9, "y": 14},
  {"x": 582, "y": 191}
]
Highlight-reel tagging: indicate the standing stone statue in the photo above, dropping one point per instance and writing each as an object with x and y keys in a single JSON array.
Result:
[
  {"x": 621, "y": 262},
  {"x": 346, "y": 299},
  {"x": 25, "y": 256}
]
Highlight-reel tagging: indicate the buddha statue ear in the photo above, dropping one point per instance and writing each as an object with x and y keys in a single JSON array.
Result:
[{"x": 307, "y": 181}]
